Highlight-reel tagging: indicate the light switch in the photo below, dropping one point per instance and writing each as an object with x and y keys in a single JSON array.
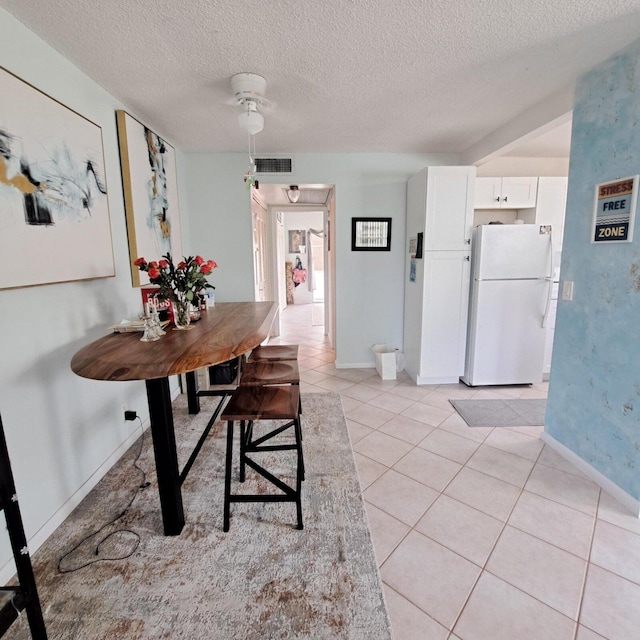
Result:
[{"x": 567, "y": 290}]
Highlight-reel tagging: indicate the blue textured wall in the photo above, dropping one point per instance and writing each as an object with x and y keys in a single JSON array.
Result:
[{"x": 594, "y": 395}]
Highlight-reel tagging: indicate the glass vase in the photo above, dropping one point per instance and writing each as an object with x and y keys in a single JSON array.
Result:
[{"x": 181, "y": 311}]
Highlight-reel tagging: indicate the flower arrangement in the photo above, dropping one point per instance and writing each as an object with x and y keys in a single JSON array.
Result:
[{"x": 178, "y": 283}]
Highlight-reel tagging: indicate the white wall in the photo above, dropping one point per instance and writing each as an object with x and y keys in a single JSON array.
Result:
[
  {"x": 369, "y": 285},
  {"x": 515, "y": 167},
  {"x": 63, "y": 432}
]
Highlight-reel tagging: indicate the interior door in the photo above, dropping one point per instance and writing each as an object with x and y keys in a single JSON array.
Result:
[
  {"x": 259, "y": 252},
  {"x": 280, "y": 261}
]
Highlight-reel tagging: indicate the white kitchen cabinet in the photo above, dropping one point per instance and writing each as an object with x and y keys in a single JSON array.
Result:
[
  {"x": 550, "y": 208},
  {"x": 505, "y": 193},
  {"x": 448, "y": 207},
  {"x": 440, "y": 204},
  {"x": 444, "y": 321}
]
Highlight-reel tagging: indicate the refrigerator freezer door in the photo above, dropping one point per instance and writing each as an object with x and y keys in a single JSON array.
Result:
[
  {"x": 506, "y": 252},
  {"x": 506, "y": 336}
]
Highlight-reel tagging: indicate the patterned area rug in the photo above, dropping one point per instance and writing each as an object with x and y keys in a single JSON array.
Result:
[
  {"x": 502, "y": 413},
  {"x": 263, "y": 579}
]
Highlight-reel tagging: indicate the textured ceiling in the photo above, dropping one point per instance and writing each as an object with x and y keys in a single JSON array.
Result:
[{"x": 347, "y": 76}]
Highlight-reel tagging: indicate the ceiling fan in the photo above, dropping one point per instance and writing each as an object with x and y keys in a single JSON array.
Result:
[{"x": 248, "y": 91}]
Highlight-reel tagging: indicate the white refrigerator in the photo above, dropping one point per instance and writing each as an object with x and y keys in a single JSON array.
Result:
[{"x": 510, "y": 298}]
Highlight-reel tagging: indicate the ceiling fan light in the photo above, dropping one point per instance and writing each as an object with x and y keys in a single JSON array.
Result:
[
  {"x": 251, "y": 121},
  {"x": 293, "y": 193}
]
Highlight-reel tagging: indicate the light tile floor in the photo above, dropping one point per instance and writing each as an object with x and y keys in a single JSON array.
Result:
[{"x": 480, "y": 533}]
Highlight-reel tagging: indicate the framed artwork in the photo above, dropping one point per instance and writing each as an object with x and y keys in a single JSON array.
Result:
[
  {"x": 297, "y": 240},
  {"x": 150, "y": 186},
  {"x": 55, "y": 224},
  {"x": 370, "y": 234}
]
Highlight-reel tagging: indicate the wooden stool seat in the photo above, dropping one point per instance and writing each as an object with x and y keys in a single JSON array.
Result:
[
  {"x": 264, "y": 403},
  {"x": 268, "y": 372},
  {"x": 274, "y": 352}
]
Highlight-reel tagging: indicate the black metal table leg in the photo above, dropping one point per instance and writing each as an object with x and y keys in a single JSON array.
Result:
[
  {"x": 166, "y": 456},
  {"x": 227, "y": 476},
  {"x": 193, "y": 400}
]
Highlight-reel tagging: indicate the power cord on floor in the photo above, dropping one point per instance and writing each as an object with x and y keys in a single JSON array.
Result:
[{"x": 143, "y": 485}]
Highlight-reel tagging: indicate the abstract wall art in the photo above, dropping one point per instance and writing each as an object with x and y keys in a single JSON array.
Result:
[
  {"x": 150, "y": 194},
  {"x": 54, "y": 212}
]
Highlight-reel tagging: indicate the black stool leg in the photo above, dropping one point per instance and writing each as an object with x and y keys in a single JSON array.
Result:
[
  {"x": 227, "y": 476},
  {"x": 299, "y": 474},
  {"x": 298, "y": 433},
  {"x": 243, "y": 441}
]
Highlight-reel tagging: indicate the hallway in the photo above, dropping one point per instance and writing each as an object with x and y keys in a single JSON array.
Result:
[{"x": 483, "y": 533}]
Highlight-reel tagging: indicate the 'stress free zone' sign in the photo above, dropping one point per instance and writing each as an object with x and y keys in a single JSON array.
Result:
[{"x": 615, "y": 210}]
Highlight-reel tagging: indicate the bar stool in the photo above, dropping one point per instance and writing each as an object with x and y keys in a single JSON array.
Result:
[
  {"x": 247, "y": 405},
  {"x": 270, "y": 372},
  {"x": 274, "y": 352},
  {"x": 278, "y": 372}
]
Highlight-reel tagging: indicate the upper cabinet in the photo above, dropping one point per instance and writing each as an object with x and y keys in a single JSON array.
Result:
[
  {"x": 505, "y": 193},
  {"x": 550, "y": 208},
  {"x": 448, "y": 207}
]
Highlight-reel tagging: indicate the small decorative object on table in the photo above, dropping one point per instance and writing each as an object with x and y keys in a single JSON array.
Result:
[{"x": 179, "y": 283}]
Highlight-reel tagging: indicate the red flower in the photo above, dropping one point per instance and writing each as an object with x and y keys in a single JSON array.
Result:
[{"x": 188, "y": 276}]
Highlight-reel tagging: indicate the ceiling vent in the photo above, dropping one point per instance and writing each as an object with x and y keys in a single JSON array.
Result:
[{"x": 280, "y": 166}]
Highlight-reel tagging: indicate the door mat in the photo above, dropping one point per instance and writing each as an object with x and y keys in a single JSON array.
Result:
[{"x": 502, "y": 413}]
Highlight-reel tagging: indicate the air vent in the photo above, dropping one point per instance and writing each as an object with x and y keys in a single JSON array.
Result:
[{"x": 274, "y": 165}]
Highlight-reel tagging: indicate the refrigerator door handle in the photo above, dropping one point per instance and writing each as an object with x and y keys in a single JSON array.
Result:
[{"x": 545, "y": 317}]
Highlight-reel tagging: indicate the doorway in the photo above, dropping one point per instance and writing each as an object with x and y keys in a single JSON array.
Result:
[
  {"x": 303, "y": 268},
  {"x": 296, "y": 239}
]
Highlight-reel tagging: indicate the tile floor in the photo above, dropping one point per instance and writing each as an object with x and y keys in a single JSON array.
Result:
[{"x": 480, "y": 533}]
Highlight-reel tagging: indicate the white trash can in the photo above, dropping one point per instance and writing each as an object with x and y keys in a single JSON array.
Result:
[{"x": 385, "y": 361}]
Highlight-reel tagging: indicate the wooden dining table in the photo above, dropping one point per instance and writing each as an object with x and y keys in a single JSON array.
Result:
[{"x": 225, "y": 331}]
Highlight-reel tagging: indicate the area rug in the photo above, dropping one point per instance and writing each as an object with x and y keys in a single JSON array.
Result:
[
  {"x": 501, "y": 413},
  {"x": 263, "y": 579}
]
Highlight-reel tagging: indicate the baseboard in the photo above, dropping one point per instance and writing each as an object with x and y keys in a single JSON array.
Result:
[
  {"x": 437, "y": 380},
  {"x": 593, "y": 474},
  {"x": 39, "y": 538},
  {"x": 354, "y": 365}
]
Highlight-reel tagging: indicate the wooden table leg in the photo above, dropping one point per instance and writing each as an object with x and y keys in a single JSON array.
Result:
[{"x": 164, "y": 448}]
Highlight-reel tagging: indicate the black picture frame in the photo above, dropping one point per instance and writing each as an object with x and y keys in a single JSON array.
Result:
[
  {"x": 370, "y": 234},
  {"x": 419, "y": 245}
]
